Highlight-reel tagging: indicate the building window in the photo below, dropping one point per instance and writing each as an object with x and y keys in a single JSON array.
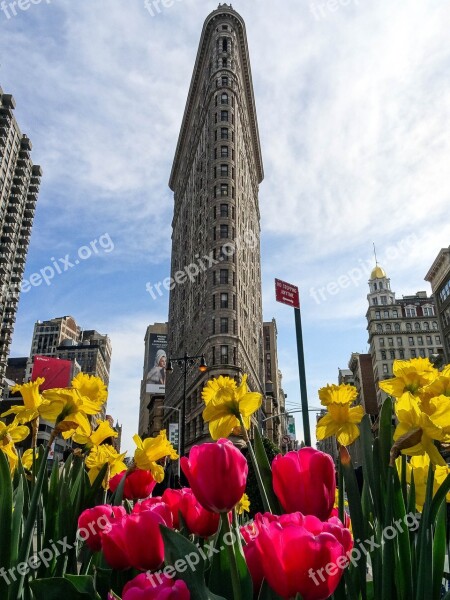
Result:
[
  {"x": 392, "y": 354},
  {"x": 224, "y": 231},
  {"x": 213, "y": 325},
  {"x": 401, "y": 353},
  {"x": 390, "y": 341},
  {"x": 223, "y": 300},
  {"x": 224, "y": 133},
  {"x": 438, "y": 339},
  {"x": 385, "y": 369},
  {"x": 224, "y": 115},
  {"x": 224, "y": 151},
  {"x": 379, "y": 328},
  {"x": 224, "y": 276},
  {"x": 426, "y": 326},
  {"x": 223, "y": 355},
  {"x": 420, "y": 340},
  {"x": 429, "y": 339},
  {"x": 410, "y": 311},
  {"x": 428, "y": 311},
  {"x": 417, "y": 326},
  {"x": 430, "y": 352},
  {"x": 224, "y": 189},
  {"x": 225, "y": 44},
  {"x": 223, "y": 324},
  {"x": 395, "y": 314},
  {"x": 383, "y": 300},
  {"x": 399, "y": 341},
  {"x": 411, "y": 341},
  {"x": 267, "y": 342},
  {"x": 382, "y": 342},
  {"x": 213, "y": 352},
  {"x": 396, "y": 326},
  {"x": 435, "y": 326},
  {"x": 388, "y": 327},
  {"x": 224, "y": 98},
  {"x": 374, "y": 301},
  {"x": 224, "y": 210},
  {"x": 386, "y": 314},
  {"x": 224, "y": 170},
  {"x": 377, "y": 314},
  {"x": 422, "y": 352},
  {"x": 408, "y": 327},
  {"x": 225, "y": 81},
  {"x": 383, "y": 355}
]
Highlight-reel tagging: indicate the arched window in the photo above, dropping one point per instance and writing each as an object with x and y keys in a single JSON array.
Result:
[
  {"x": 224, "y": 98},
  {"x": 417, "y": 326}
]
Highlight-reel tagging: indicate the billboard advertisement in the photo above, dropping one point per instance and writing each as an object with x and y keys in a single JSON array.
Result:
[
  {"x": 56, "y": 372},
  {"x": 291, "y": 427},
  {"x": 157, "y": 360}
]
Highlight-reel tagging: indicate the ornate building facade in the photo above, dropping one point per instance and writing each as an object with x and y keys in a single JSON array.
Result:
[{"x": 215, "y": 300}]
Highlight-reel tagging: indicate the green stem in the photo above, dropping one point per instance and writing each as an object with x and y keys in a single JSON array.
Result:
[
  {"x": 262, "y": 489},
  {"x": 235, "y": 581}
]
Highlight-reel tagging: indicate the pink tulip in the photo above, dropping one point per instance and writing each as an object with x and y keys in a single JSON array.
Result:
[
  {"x": 138, "y": 484},
  {"x": 199, "y": 521},
  {"x": 217, "y": 474},
  {"x": 305, "y": 481},
  {"x": 148, "y": 588},
  {"x": 93, "y": 521}
]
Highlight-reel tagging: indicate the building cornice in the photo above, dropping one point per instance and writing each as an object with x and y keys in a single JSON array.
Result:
[
  {"x": 194, "y": 90},
  {"x": 439, "y": 269}
]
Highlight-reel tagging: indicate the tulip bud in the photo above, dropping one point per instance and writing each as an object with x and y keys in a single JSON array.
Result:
[
  {"x": 139, "y": 484},
  {"x": 144, "y": 587},
  {"x": 305, "y": 481},
  {"x": 93, "y": 521},
  {"x": 217, "y": 474}
]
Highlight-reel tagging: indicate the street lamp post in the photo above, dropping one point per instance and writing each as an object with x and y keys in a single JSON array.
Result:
[{"x": 184, "y": 362}]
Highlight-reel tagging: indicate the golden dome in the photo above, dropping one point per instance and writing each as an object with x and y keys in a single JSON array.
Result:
[{"x": 378, "y": 273}]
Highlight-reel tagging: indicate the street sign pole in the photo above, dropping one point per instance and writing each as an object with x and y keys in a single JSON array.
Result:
[
  {"x": 287, "y": 293},
  {"x": 302, "y": 374}
]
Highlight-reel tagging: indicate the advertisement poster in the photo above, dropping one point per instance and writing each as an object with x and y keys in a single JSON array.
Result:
[
  {"x": 56, "y": 372},
  {"x": 157, "y": 361}
]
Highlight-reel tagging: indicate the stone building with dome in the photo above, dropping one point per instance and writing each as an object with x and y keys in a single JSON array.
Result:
[{"x": 399, "y": 328}]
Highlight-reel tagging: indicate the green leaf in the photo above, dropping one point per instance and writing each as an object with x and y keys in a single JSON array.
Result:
[
  {"x": 6, "y": 508},
  {"x": 178, "y": 548},
  {"x": 439, "y": 497},
  {"x": 70, "y": 588},
  {"x": 403, "y": 556},
  {"x": 425, "y": 550},
  {"x": 266, "y": 473},
  {"x": 439, "y": 548},
  {"x": 388, "y": 567},
  {"x": 17, "y": 520},
  {"x": 368, "y": 466},
  {"x": 385, "y": 436}
]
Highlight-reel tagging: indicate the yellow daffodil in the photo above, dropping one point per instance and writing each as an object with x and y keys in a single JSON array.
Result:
[
  {"x": 32, "y": 401},
  {"x": 338, "y": 394},
  {"x": 102, "y": 455},
  {"x": 94, "y": 438},
  {"x": 225, "y": 403},
  {"x": 419, "y": 468},
  {"x": 439, "y": 387},
  {"x": 341, "y": 419},
  {"x": 243, "y": 505},
  {"x": 67, "y": 410},
  {"x": 92, "y": 390},
  {"x": 9, "y": 435},
  {"x": 151, "y": 450},
  {"x": 27, "y": 458},
  {"x": 417, "y": 426},
  {"x": 409, "y": 376}
]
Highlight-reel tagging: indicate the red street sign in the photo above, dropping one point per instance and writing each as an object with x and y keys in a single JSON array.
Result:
[{"x": 287, "y": 293}]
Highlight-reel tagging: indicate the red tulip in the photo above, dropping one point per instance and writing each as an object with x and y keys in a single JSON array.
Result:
[
  {"x": 305, "y": 481},
  {"x": 93, "y": 521},
  {"x": 143, "y": 540},
  {"x": 172, "y": 498},
  {"x": 217, "y": 474},
  {"x": 138, "y": 484},
  {"x": 199, "y": 521},
  {"x": 144, "y": 588},
  {"x": 113, "y": 545},
  {"x": 300, "y": 556}
]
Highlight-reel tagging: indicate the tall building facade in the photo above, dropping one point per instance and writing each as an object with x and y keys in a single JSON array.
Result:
[
  {"x": 360, "y": 366},
  {"x": 439, "y": 278},
  {"x": 275, "y": 427},
  {"x": 215, "y": 300},
  {"x": 19, "y": 188},
  {"x": 63, "y": 338},
  {"x": 398, "y": 328}
]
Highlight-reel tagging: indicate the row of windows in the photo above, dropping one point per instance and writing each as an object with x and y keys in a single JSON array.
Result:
[
  {"x": 224, "y": 152},
  {"x": 223, "y": 325},
  {"x": 224, "y": 134},
  {"x": 223, "y": 355},
  {"x": 223, "y": 277},
  {"x": 445, "y": 292},
  {"x": 417, "y": 327},
  {"x": 383, "y": 300},
  {"x": 224, "y": 232},
  {"x": 410, "y": 311},
  {"x": 411, "y": 341},
  {"x": 222, "y": 301},
  {"x": 223, "y": 190},
  {"x": 223, "y": 211},
  {"x": 422, "y": 353},
  {"x": 223, "y": 171},
  {"x": 224, "y": 116}
]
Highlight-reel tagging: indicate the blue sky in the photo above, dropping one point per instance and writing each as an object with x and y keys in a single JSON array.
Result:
[{"x": 353, "y": 104}]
